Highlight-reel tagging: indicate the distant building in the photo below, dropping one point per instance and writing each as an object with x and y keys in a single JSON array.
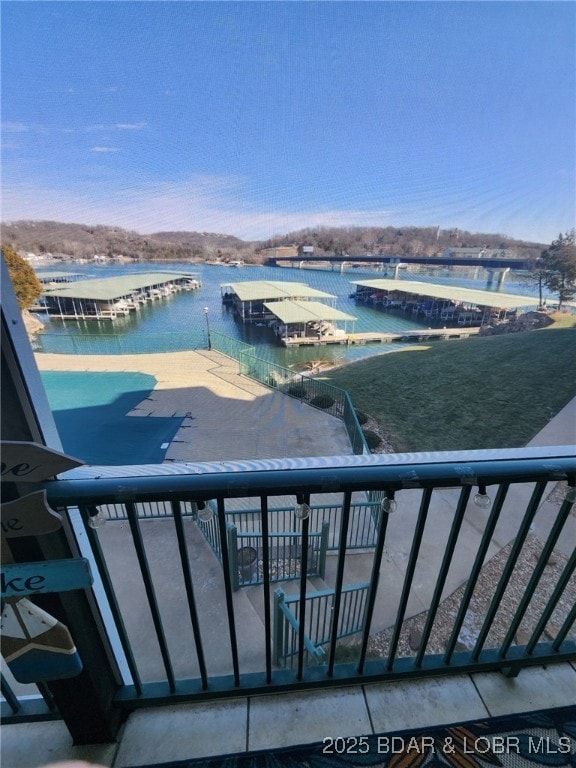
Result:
[
  {"x": 281, "y": 251},
  {"x": 476, "y": 253}
]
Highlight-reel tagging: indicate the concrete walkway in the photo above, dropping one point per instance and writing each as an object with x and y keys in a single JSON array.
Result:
[{"x": 224, "y": 415}]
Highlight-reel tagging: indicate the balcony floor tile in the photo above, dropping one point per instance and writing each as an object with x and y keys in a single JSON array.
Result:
[
  {"x": 534, "y": 688},
  {"x": 419, "y": 703},
  {"x": 28, "y": 745},
  {"x": 283, "y": 720},
  {"x": 164, "y": 734}
]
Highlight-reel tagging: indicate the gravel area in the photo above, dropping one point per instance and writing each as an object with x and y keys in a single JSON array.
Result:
[{"x": 411, "y": 634}]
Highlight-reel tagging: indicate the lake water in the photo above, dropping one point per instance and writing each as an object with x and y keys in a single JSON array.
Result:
[{"x": 179, "y": 322}]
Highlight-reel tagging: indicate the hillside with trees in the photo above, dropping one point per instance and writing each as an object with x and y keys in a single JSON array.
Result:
[
  {"x": 83, "y": 241},
  {"x": 425, "y": 241}
]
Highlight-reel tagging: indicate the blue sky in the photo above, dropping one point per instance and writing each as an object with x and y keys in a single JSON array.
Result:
[{"x": 258, "y": 118}]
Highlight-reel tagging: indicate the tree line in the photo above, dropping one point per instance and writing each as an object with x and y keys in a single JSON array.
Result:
[{"x": 83, "y": 241}]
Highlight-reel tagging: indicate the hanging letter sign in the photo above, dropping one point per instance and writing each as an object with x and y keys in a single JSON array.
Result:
[
  {"x": 29, "y": 515},
  {"x": 35, "y": 645},
  {"x": 19, "y": 579},
  {"x": 31, "y": 462}
]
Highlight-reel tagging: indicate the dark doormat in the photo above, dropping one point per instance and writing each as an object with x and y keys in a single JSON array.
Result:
[{"x": 542, "y": 738}]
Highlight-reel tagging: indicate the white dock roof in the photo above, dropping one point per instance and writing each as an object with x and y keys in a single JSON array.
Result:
[
  {"x": 290, "y": 311},
  {"x": 109, "y": 288},
  {"x": 267, "y": 290},
  {"x": 450, "y": 293}
]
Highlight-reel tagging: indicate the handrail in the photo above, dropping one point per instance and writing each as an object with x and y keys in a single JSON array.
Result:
[
  {"x": 242, "y": 658},
  {"x": 237, "y": 479}
]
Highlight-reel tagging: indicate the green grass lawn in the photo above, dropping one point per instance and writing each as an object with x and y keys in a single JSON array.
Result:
[{"x": 489, "y": 392}]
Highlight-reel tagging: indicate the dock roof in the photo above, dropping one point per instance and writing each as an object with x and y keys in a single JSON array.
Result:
[
  {"x": 108, "y": 288},
  {"x": 291, "y": 311},
  {"x": 266, "y": 290},
  {"x": 46, "y": 275},
  {"x": 450, "y": 293}
]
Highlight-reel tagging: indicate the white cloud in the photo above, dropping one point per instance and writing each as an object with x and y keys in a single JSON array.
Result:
[
  {"x": 217, "y": 204},
  {"x": 9, "y": 127},
  {"x": 204, "y": 204},
  {"x": 100, "y": 127},
  {"x": 104, "y": 149},
  {"x": 130, "y": 126}
]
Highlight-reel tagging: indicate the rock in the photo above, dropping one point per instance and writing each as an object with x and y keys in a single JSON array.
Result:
[
  {"x": 528, "y": 321},
  {"x": 415, "y": 639},
  {"x": 31, "y": 323}
]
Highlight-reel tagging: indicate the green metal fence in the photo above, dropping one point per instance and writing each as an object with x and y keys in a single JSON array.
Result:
[
  {"x": 117, "y": 343},
  {"x": 233, "y": 348},
  {"x": 453, "y": 511},
  {"x": 319, "y": 618},
  {"x": 362, "y": 528},
  {"x": 303, "y": 387},
  {"x": 246, "y": 552},
  {"x": 245, "y": 549}
]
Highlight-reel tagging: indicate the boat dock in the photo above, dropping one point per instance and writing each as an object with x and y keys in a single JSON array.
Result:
[
  {"x": 373, "y": 337},
  {"x": 111, "y": 297}
]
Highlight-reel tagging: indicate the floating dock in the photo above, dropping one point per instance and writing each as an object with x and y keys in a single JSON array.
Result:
[{"x": 416, "y": 335}]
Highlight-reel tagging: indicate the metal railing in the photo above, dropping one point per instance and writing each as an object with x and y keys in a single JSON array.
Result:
[
  {"x": 319, "y": 622},
  {"x": 184, "y": 634},
  {"x": 313, "y": 391},
  {"x": 234, "y": 348},
  {"x": 102, "y": 342},
  {"x": 246, "y": 552},
  {"x": 362, "y": 527},
  {"x": 305, "y": 388}
]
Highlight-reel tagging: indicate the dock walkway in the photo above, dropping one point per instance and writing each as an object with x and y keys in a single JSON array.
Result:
[{"x": 374, "y": 337}]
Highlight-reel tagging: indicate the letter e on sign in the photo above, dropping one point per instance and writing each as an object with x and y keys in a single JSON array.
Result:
[
  {"x": 31, "y": 462},
  {"x": 29, "y": 515}
]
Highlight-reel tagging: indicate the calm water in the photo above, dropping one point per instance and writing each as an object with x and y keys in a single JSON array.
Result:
[{"x": 179, "y": 323}]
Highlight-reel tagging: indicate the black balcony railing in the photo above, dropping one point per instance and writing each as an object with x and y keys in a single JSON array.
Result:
[{"x": 182, "y": 632}]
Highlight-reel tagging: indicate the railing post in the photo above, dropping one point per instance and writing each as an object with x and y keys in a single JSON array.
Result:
[
  {"x": 323, "y": 548},
  {"x": 278, "y": 629},
  {"x": 232, "y": 539}
]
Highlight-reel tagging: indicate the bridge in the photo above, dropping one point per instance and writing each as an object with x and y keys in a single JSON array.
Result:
[
  {"x": 494, "y": 266},
  {"x": 433, "y": 261}
]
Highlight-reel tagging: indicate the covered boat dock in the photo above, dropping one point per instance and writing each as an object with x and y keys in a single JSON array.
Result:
[
  {"x": 53, "y": 279},
  {"x": 111, "y": 297},
  {"x": 434, "y": 303},
  {"x": 249, "y": 299},
  {"x": 307, "y": 322}
]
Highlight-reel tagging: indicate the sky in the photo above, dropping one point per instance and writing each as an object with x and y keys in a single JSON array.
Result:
[{"x": 261, "y": 118}]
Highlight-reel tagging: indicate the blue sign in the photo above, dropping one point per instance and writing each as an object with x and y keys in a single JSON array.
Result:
[{"x": 20, "y": 579}]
